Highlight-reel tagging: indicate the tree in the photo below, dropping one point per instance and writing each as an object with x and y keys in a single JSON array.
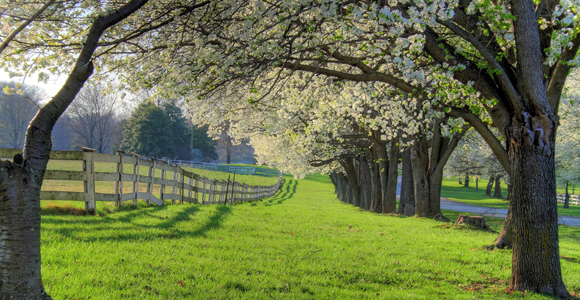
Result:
[
  {"x": 179, "y": 131},
  {"x": 515, "y": 57},
  {"x": 203, "y": 142},
  {"x": 23, "y": 25},
  {"x": 92, "y": 118},
  {"x": 17, "y": 107},
  {"x": 22, "y": 178},
  {"x": 157, "y": 131},
  {"x": 148, "y": 132}
]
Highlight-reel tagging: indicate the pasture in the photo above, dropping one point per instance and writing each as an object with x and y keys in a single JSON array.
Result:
[{"x": 300, "y": 244}]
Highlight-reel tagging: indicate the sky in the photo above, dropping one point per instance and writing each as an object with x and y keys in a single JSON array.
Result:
[{"x": 50, "y": 88}]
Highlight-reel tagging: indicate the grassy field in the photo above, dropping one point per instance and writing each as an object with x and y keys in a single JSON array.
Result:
[
  {"x": 300, "y": 244},
  {"x": 108, "y": 186},
  {"x": 453, "y": 190}
]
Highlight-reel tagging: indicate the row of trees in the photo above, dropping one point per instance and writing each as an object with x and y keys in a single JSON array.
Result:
[{"x": 342, "y": 86}]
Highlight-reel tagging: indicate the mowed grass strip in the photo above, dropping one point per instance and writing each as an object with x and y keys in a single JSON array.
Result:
[{"x": 300, "y": 244}]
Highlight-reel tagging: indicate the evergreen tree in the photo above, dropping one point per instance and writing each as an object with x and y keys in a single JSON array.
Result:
[
  {"x": 179, "y": 130},
  {"x": 204, "y": 143},
  {"x": 162, "y": 131},
  {"x": 148, "y": 132}
]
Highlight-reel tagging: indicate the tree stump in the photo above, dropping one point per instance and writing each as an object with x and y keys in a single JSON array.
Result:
[{"x": 475, "y": 221}]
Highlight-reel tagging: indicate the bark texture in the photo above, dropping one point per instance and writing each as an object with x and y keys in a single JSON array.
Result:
[
  {"x": 536, "y": 255},
  {"x": 392, "y": 177},
  {"x": 497, "y": 193},
  {"x": 407, "y": 199},
  {"x": 428, "y": 170},
  {"x": 489, "y": 186},
  {"x": 20, "y": 259}
]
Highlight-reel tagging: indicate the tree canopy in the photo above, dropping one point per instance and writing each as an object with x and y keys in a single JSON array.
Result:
[{"x": 333, "y": 84}]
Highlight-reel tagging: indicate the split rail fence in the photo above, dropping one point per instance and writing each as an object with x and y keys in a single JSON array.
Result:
[
  {"x": 224, "y": 168},
  {"x": 574, "y": 199},
  {"x": 170, "y": 181}
]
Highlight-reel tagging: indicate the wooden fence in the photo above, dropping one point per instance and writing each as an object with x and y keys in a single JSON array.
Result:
[
  {"x": 223, "y": 168},
  {"x": 170, "y": 181},
  {"x": 574, "y": 199}
]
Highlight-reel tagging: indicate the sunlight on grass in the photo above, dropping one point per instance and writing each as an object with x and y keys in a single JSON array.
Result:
[{"x": 300, "y": 244}]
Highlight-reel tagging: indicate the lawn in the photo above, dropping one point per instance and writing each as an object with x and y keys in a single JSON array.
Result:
[
  {"x": 300, "y": 244},
  {"x": 453, "y": 190}
]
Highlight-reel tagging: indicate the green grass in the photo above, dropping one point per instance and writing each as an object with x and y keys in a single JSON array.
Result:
[
  {"x": 453, "y": 190},
  {"x": 300, "y": 244}
]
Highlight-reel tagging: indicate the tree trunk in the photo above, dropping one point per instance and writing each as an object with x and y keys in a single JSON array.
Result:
[
  {"x": 20, "y": 276},
  {"x": 420, "y": 163},
  {"x": 376, "y": 200},
  {"x": 20, "y": 180},
  {"x": 407, "y": 199},
  {"x": 364, "y": 183},
  {"x": 497, "y": 193},
  {"x": 428, "y": 170},
  {"x": 466, "y": 180},
  {"x": 476, "y": 184},
  {"x": 505, "y": 238},
  {"x": 427, "y": 201},
  {"x": 381, "y": 154},
  {"x": 352, "y": 178},
  {"x": 390, "y": 205},
  {"x": 435, "y": 182},
  {"x": 567, "y": 199},
  {"x": 489, "y": 186},
  {"x": 535, "y": 255},
  {"x": 509, "y": 192},
  {"x": 459, "y": 178},
  {"x": 229, "y": 152}
]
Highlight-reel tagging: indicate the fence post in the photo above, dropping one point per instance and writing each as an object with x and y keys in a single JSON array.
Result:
[
  {"x": 193, "y": 190},
  {"x": 203, "y": 192},
  {"x": 89, "y": 184},
  {"x": 174, "y": 186},
  {"x": 162, "y": 185},
  {"x": 182, "y": 191},
  {"x": 151, "y": 173},
  {"x": 136, "y": 177},
  {"x": 119, "y": 184}
]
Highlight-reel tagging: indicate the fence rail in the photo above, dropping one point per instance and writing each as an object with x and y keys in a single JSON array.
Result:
[
  {"x": 223, "y": 168},
  {"x": 174, "y": 183},
  {"x": 574, "y": 199}
]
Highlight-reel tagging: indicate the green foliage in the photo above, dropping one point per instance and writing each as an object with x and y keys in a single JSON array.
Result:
[
  {"x": 162, "y": 131},
  {"x": 148, "y": 132},
  {"x": 204, "y": 143},
  {"x": 179, "y": 130},
  {"x": 300, "y": 244}
]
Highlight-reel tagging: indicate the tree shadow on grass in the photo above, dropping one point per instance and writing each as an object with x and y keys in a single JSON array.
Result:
[
  {"x": 109, "y": 225},
  {"x": 286, "y": 192}
]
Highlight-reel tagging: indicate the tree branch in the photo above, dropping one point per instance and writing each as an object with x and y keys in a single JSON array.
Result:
[
  {"x": 502, "y": 76},
  {"x": 16, "y": 31},
  {"x": 490, "y": 138}
]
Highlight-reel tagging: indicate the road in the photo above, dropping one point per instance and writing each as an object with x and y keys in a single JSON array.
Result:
[{"x": 490, "y": 212}]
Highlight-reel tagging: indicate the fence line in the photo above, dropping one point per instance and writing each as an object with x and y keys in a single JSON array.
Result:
[
  {"x": 184, "y": 186},
  {"x": 574, "y": 199},
  {"x": 222, "y": 168}
]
